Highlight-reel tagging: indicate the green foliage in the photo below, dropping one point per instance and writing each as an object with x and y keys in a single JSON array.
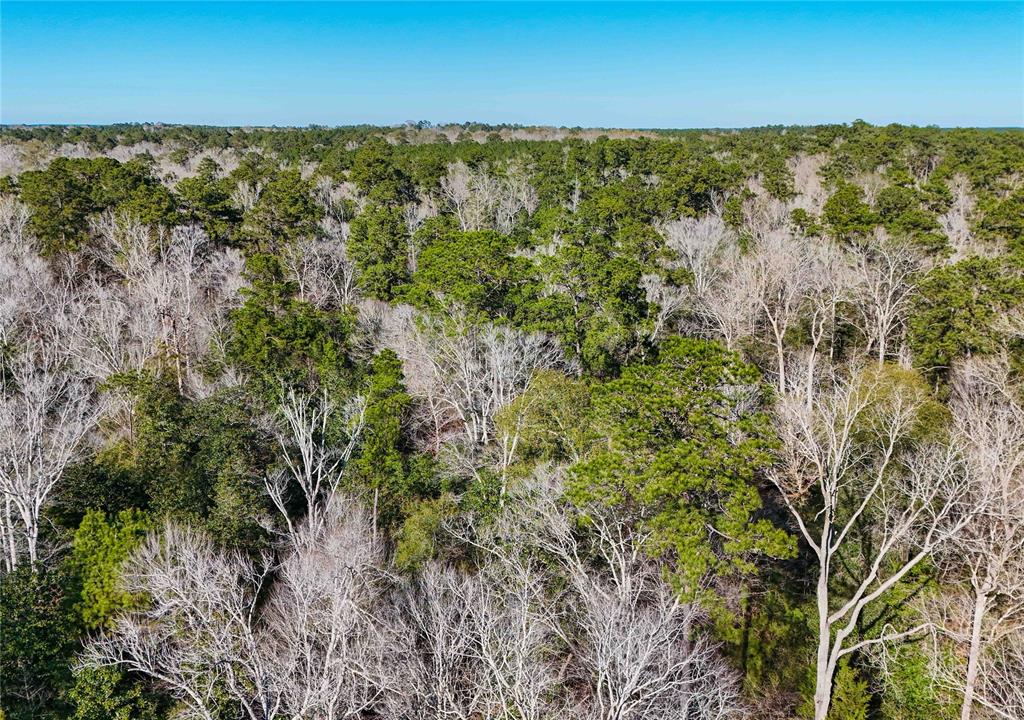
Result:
[
  {"x": 846, "y": 213},
  {"x": 416, "y": 540},
  {"x": 284, "y": 212},
  {"x": 595, "y": 304},
  {"x": 206, "y": 199},
  {"x": 202, "y": 461},
  {"x": 378, "y": 246},
  {"x": 106, "y": 479},
  {"x": 956, "y": 309},
  {"x": 276, "y": 337},
  {"x": 375, "y": 174},
  {"x": 552, "y": 418},
  {"x": 99, "y": 549},
  {"x": 1003, "y": 222},
  {"x": 473, "y": 269},
  {"x": 40, "y": 634},
  {"x": 66, "y": 194},
  {"x": 769, "y": 635},
  {"x": 910, "y": 693},
  {"x": 850, "y": 695},
  {"x": 676, "y": 438},
  {"x": 109, "y": 694},
  {"x": 899, "y": 208},
  {"x": 385, "y": 468},
  {"x": 686, "y": 441}
]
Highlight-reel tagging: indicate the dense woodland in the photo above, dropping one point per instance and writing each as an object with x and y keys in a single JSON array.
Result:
[{"x": 475, "y": 422}]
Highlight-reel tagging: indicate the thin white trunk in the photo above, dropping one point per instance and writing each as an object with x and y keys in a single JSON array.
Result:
[{"x": 974, "y": 654}]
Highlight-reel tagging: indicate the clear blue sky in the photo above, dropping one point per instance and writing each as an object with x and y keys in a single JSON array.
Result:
[{"x": 607, "y": 64}]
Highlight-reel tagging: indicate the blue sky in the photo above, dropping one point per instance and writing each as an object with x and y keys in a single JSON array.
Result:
[{"x": 604, "y": 65}]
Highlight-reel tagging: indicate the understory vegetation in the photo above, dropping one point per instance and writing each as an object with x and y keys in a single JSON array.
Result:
[{"x": 475, "y": 422}]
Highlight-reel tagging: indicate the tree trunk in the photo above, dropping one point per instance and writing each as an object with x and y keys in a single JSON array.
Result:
[
  {"x": 974, "y": 654},
  {"x": 780, "y": 351},
  {"x": 823, "y": 668}
]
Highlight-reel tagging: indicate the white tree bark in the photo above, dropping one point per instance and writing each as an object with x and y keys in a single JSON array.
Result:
[{"x": 831, "y": 478}]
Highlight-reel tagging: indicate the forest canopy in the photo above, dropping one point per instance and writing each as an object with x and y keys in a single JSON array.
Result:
[{"x": 475, "y": 421}]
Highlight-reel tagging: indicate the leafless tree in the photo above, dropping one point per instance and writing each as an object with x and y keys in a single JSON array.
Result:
[
  {"x": 247, "y": 194},
  {"x": 483, "y": 200},
  {"x": 331, "y": 197},
  {"x": 46, "y": 411},
  {"x": 699, "y": 245},
  {"x": 668, "y": 299},
  {"x": 304, "y": 428},
  {"x": 764, "y": 215},
  {"x": 415, "y": 214},
  {"x": 325, "y": 275},
  {"x": 26, "y": 282},
  {"x": 445, "y": 680},
  {"x": 1001, "y": 691},
  {"x": 633, "y": 642},
  {"x": 14, "y": 217},
  {"x": 157, "y": 295},
  {"x": 325, "y": 635},
  {"x": 831, "y": 478},
  {"x": 513, "y": 624},
  {"x": 956, "y": 221},
  {"x": 517, "y": 197},
  {"x": 486, "y": 637},
  {"x": 47, "y": 407},
  {"x": 886, "y": 272},
  {"x": 704, "y": 249},
  {"x": 196, "y": 635},
  {"x": 313, "y": 647},
  {"x": 989, "y": 554},
  {"x": 832, "y": 282},
  {"x": 782, "y": 273},
  {"x": 731, "y": 307},
  {"x": 807, "y": 182},
  {"x": 471, "y": 371},
  {"x": 470, "y": 194}
]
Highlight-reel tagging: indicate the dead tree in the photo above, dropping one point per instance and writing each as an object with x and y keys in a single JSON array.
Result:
[
  {"x": 989, "y": 554},
  {"x": 831, "y": 477}
]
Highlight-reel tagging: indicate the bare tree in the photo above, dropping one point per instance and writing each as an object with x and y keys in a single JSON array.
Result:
[
  {"x": 196, "y": 636},
  {"x": 1001, "y": 691},
  {"x": 247, "y": 194},
  {"x": 517, "y": 196},
  {"x": 956, "y": 221},
  {"x": 703, "y": 248},
  {"x": 470, "y": 370},
  {"x": 831, "y": 478},
  {"x": 633, "y": 642},
  {"x": 764, "y": 215},
  {"x": 483, "y": 200},
  {"x": 325, "y": 637},
  {"x": 731, "y": 308},
  {"x": 415, "y": 214},
  {"x": 170, "y": 300},
  {"x": 321, "y": 268},
  {"x": 14, "y": 217},
  {"x": 46, "y": 411},
  {"x": 831, "y": 283},
  {"x": 886, "y": 285},
  {"x": 445, "y": 681},
  {"x": 989, "y": 554},
  {"x": 313, "y": 648},
  {"x": 312, "y": 461},
  {"x": 26, "y": 283},
  {"x": 807, "y": 182},
  {"x": 782, "y": 273}
]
